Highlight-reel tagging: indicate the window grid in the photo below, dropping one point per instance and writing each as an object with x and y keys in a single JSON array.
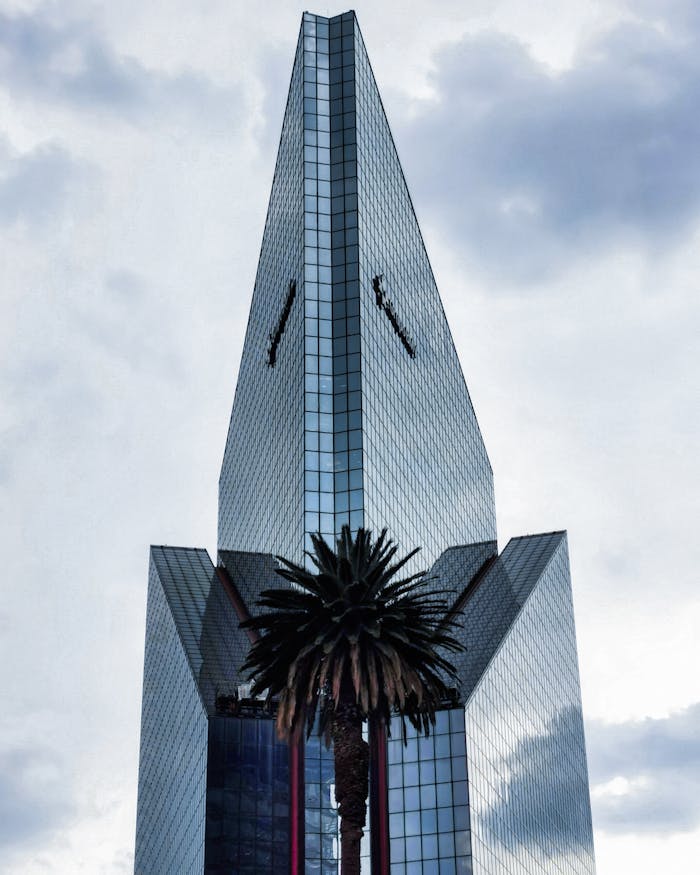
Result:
[{"x": 428, "y": 799}]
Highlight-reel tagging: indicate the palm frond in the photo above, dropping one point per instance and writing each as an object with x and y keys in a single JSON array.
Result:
[{"x": 352, "y": 632}]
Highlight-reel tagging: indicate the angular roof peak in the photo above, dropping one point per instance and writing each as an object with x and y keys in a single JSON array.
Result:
[{"x": 351, "y": 407}]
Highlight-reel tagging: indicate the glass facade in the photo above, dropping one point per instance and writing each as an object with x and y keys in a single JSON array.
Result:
[
  {"x": 333, "y": 410},
  {"x": 458, "y": 566},
  {"x": 428, "y": 799},
  {"x": 250, "y": 573},
  {"x": 427, "y": 475},
  {"x": 351, "y": 408},
  {"x": 247, "y": 814},
  {"x": 528, "y": 778},
  {"x": 501, "y": 787},
  {"x": 363, "y": 356},
  {"x": 322, "y": 845},
  {"x": 261, "y": 486},
  {"x": 213, "y": 789},
  {"x": 173, "y": 758}
]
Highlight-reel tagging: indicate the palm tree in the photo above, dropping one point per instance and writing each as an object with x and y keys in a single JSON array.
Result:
[{"x": 346, "y": 643}]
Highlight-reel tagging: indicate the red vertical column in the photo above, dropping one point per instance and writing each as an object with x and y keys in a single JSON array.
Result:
[
  {"x": 296, "y": 807},
  {"x": 378, "y": 799}
]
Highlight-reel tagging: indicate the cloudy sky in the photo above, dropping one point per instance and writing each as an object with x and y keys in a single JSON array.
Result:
[{"x": 552, "y": 152}]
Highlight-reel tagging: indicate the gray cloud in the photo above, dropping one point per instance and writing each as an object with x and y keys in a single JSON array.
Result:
[
  {"x": 70, "y": 63},
  {"x": 36, "y": 185},
  {"x": 658, "y": 762},
  {"x": 514, "y": 159},
  {"x": 34, "y": 795}
]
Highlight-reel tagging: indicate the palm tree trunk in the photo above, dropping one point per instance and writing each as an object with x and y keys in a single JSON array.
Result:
[{"x": 351, "y": 756}]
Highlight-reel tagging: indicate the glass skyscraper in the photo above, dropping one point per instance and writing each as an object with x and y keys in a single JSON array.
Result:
[{"x": 351, "y": 408}]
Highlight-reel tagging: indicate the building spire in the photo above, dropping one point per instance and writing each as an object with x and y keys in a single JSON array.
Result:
[{"x": 348, "y": 357}]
